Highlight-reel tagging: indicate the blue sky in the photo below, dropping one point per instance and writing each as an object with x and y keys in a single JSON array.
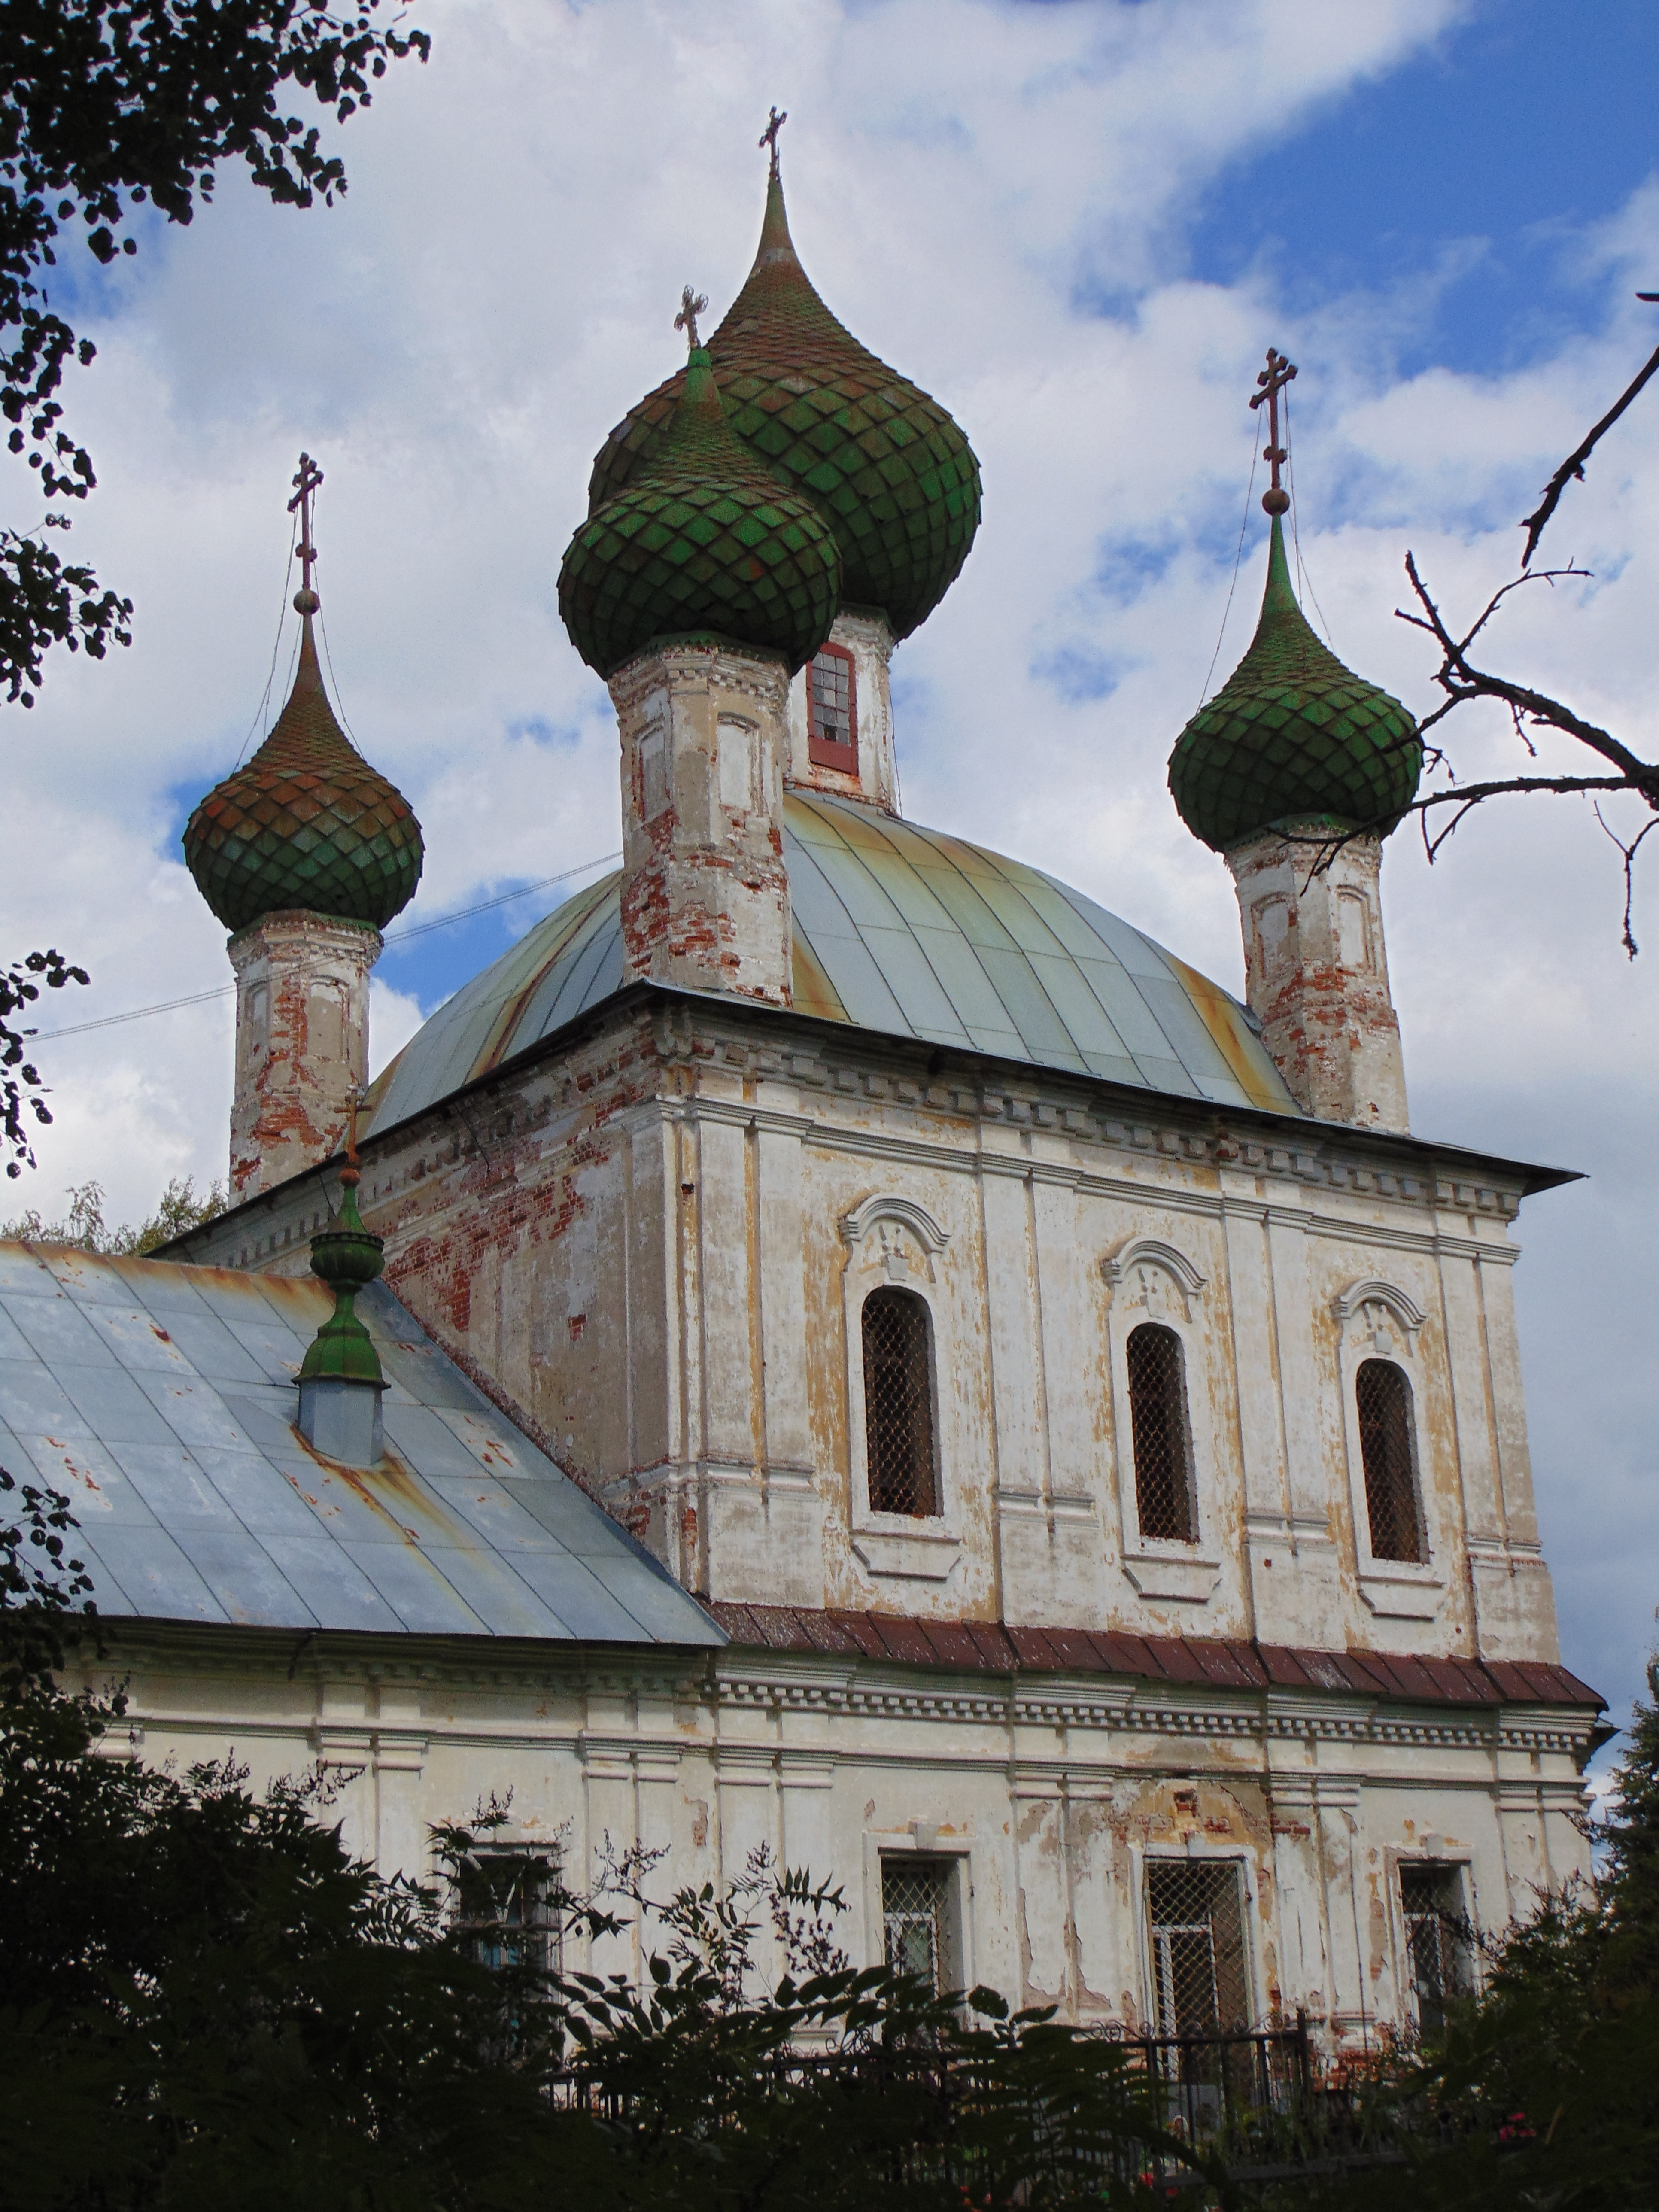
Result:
[{"x": 1485, "y": 155}]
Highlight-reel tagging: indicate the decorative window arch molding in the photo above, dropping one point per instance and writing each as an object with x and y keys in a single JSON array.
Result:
[
  {"x": 1150, "y": 1280},
  {"x": 892, "y": 1239},
  {"x": 1372, "y": 1290},
  {"x": 1151, "y": 1251},
  {"x": 856, "y": 1225},
  {"x": 1379, "y": 1320}
]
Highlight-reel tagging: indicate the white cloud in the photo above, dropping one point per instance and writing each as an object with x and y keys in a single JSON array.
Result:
[{"x": 454, "y": 341}]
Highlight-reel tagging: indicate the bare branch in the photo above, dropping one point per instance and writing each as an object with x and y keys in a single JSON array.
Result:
[
  {"x": 1459, "y": 678},
  {"x": 1628, "y": 853},
  {"x": 1574, "y": 464}
]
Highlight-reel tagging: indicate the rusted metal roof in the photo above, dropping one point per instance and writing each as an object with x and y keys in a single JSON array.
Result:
[
  {"x": 1221, "y": 1663},
  {"x": 161, "y": 1399},
  {"x": 901, "y": 930}
]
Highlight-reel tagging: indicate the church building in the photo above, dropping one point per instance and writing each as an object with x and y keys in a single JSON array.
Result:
[{"x": 836, "y": 1340}]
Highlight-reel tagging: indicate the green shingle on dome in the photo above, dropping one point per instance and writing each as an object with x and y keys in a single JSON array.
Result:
[
  {"x": 703, "y": 541},
  {"x": 308, "y": 824},
  {"x": 883, "y": 463},
  {"x": 1293, "y": 735}
]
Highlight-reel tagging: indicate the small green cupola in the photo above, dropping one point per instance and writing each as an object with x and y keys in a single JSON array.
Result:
[
  {"x": 703, "y": 542},
  {"x": 307, "y": 825},
  {"x": 1293, "y": 736},
  {"x": 883, "y": 463},
  {"x": 340, "y": 1378}
]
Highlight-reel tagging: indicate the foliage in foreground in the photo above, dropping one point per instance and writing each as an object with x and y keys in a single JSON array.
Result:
[
  {"x": 204, "y": 2000},
  {"x": 110, "y": 109},
  {"x": 1544, "y": 2097}
]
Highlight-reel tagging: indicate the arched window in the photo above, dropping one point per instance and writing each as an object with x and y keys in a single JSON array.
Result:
[
  {"x": 1385, "y": 1449},
  {"x": 832, "y": 710},
  {"x": 1157, "y": 1409},
  {"x": 898, "y": 1404}
]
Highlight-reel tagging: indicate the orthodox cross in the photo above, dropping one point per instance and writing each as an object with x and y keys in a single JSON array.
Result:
[
  {"x": 304, "y": 482},
  {"x": 1273, "y": 381},
  {"x": 691, "y": 306},
  {"x": 352, "y": 1173},
  {"x": 769, "y": 136}
]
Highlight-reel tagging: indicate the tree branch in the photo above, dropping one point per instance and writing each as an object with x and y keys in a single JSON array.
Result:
[{"x": 1574, "y": 464}]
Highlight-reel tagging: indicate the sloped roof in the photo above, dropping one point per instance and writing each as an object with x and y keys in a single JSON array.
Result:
[
  {"x": 161, "y": 1399},
  {"x": 908, "y": 932}
]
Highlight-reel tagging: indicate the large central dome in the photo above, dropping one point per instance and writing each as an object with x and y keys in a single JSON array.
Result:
[
  {"x": 906, "y": 932},
  {"x": 883, "y": 463}
]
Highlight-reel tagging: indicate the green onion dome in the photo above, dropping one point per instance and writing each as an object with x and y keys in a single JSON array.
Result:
[
  {"x": 703, "y": 541},
  {"x": 884, "y": 465},
  {"x": 308, "y": 824},
  {"x": 1293, "y": 735}
]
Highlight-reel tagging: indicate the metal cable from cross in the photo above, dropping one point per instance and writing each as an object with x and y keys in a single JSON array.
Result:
[
  {"x": 775, "y": 122},
  {"x": 309, "y": 475},
  {"x": 1272, "y": 380},
  {"x": 691, "y": 306}
]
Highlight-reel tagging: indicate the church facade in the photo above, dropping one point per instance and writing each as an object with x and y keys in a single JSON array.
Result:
[{"x": 1084, "y": 1421}]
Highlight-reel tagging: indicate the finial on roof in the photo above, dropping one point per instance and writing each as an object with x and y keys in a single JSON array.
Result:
[
  {"x": 1273, "y": 381},
  {"x": 691, "y": 306},
  {"x": 306, "y": 481},
  {"x": 341, "y": 1378},
  {"x": 769, "y": 137}
]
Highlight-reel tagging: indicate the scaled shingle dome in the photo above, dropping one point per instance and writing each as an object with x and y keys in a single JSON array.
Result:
[
  {"x": 308, "y": 824},
  {"x": 703, "y": 541},
  {"x": 883, "y": 463},
  {"x": 1293, "y": 735}
]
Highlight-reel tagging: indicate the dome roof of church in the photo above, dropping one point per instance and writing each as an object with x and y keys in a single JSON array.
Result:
[
  {"x": 1293, "y": 735},
  {"x": 885, "y": 466},
  {"x": 907, "y": 932},
  {"x": 702, "y": 540},
  {"x": 306, "y": 824}
]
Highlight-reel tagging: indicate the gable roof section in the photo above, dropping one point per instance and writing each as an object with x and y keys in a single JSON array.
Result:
[
  {"x": 161, "y": 1399},
  {"x": 907, "y": 932}
]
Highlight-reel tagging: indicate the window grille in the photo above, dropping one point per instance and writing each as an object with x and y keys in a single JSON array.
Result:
[
  {"x": 1436, "y": 1941},
  {"x": 832, "y": 726},
  {"x": 1158, "y": 1412},
  {"x": 1194, "y": 1908},
  {"x": 505, "y": 1911},
  {"x": 1385, "y": 1450},
  {"x": 916, "y": 1901},
  {"x": 898, "y": 1404}
]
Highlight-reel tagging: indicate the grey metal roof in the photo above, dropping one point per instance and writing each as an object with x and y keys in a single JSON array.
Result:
[
  {"x": 906, "y": 930},
  {"x": 161, "y": 1399}
]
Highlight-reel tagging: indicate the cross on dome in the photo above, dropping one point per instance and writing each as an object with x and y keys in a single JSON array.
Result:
[
  {"x": 1272, "y": 380},
  {"x": 306, "y": 479},
  {"x": 769, "y": 137},
  {"x": 691, "y": 306}
]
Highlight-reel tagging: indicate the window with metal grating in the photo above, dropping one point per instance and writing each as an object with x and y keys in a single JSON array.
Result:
[
  {"x": 915, "y": 1903},
  {"x": 1158, "y": 1413},
  {"x": 898, "y": 1404},
  {"x": 1195, "y": 1931},
  {"x": 1438, "y": 1949},
  {"x": 832, "y": 710},
  {"x": 504, "y": 1910},
  {"x": 1385, "y": 1449}
]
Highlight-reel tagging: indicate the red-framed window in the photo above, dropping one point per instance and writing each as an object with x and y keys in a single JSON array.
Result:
[{"x": 832, "y": 710}]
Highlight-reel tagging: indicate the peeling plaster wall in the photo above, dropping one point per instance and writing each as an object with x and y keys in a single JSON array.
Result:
[
  {"x": 1048, "y": 1796},
  {"x": 657, "y": 1243},
  {"x": 651, "y": 1242},
  {"x": 301, "y": 1043}
]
